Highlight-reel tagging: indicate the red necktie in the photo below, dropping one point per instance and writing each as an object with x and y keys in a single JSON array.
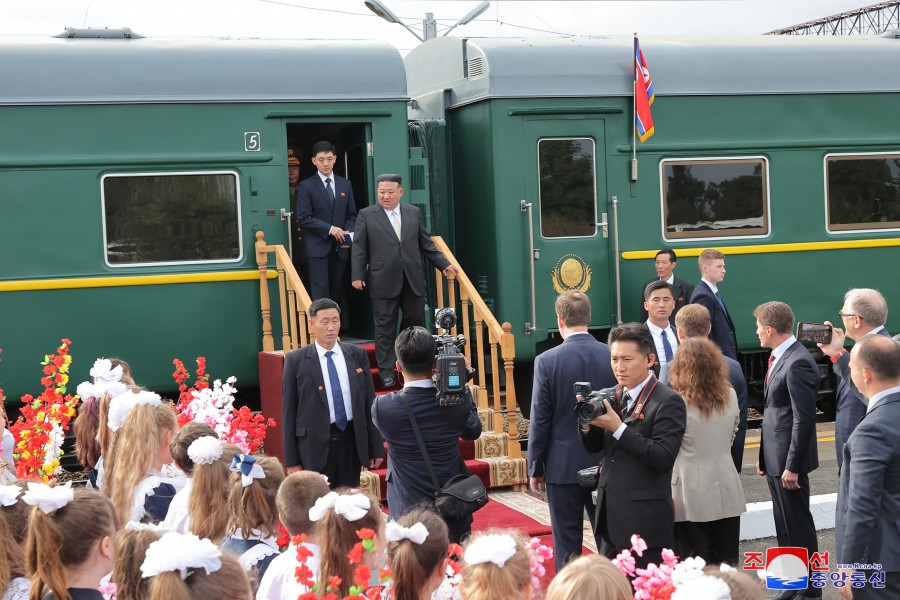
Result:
[{"x": 769, "y": 369}]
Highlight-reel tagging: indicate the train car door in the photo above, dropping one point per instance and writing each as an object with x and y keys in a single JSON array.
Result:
[{"x": 565, "y": 172}]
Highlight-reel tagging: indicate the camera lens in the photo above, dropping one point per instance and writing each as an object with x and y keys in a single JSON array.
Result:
[{"x": 584, "y": 412}]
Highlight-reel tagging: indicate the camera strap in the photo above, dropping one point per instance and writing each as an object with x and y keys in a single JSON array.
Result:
[
  {"x": 418, "y": 434},
  {"x": 641, "y": 401}
]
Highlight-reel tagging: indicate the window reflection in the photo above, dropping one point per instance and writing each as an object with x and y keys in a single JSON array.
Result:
[
  {"x": 567, "y": 187},
  {"x": 863, "y": 192}
]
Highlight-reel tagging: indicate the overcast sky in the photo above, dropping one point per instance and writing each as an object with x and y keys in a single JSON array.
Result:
[{"x": 349, "y": 19}]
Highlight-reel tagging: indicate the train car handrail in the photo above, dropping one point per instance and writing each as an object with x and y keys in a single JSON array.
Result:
[{"x": 293, "y": 298}]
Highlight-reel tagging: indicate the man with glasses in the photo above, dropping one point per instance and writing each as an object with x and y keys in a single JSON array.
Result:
[
  {"x": 665, "y": 271},
  {"x": 864, "y": 313},
  {"x": 659, "y": 302}
]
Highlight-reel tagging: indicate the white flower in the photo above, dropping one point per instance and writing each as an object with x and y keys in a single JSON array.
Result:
[
  {"x": 688, "y": 569},
  {"x": 705, "y": 587}
]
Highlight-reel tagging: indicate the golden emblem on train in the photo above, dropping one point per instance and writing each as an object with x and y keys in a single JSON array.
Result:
[{"x": 571, "y": 273}]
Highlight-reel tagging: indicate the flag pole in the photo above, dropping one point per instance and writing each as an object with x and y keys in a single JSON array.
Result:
[{"x": 634, "y": 165}]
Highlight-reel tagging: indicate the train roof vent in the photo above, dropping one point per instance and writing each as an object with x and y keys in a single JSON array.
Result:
[
  {"x": 105, "y": 33},
  {"x": 475, "y": 67},
  {"x": 893, "y": 33}
]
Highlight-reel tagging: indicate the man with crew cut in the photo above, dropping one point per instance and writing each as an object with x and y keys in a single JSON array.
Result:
[{"x": 706, "y": 293}]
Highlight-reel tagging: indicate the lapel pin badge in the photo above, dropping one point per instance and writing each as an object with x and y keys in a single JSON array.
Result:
[
  {"x": 359, "y": 370},
  {"x": 321, "y": 387}
]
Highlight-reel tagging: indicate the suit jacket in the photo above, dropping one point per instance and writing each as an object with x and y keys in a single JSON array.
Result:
[
  {"x": 722, "y": 332},
  {"x": 554, "y": 451},
  {"x": 705, "y": 485},
  {"x": 408, "y": 482},
  {"x": 382, "y": 260},
  {"x": 306, "y": 420},
  {"x": 635, "y": 483},
  {"x": 851, "y": 406},
  {"x": 683, "y": 291},
  {"x": 789, "y": 421},
  {"x": 316, "y": 213},
  {"x": 869, "y": 491}
]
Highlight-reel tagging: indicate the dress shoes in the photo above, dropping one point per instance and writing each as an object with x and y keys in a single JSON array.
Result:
[
  {"x": 796, "y": 595},
  {"x": 786, "y": 595}
]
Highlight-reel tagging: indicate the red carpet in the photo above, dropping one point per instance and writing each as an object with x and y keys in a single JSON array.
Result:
[{"x": 495, "y": 514}]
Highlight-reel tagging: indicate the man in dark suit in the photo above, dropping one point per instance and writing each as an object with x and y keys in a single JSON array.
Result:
[
  {"x": 706, "y": 293},
  {"x": 869, "y": 494},
  {"x": 408, "y": 481},
  {"x": 659, "y": 300},
  {"x": 388, "y": 246},
  {"x": 326, "y": 211},
  {"x": 554, "y": 454},
  {"x": 691, "y": 322},
  {"x": 640, "y": 438},
  {"x": 864, "y": 313},
  {"x": 787, "y": 451},
  {"x": 665, "y": 271},
  {"x": 327, "y": 395}
]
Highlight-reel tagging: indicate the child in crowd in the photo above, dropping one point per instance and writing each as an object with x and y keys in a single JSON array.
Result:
[
  {"x": 181, "y": 566},
  {"x": 254, "y": 515},
  {"x": 131, "y": 549},
  {"x": 7, "y": 464},
  {"x": 591, "y": 576},
  {"x": 109, "y": 379},
  {"x": 337, "y": 517},
  {"x": 212, "y": 461},
  {"x": 496, "y": 566},
  {"x": 417, "y": 554},
  {"x": 296, "y": 495},
  {"x": 70, "y": 542},
  {"x": 721, "y": 582},
  {"x": 144, "y": 428},
  {"x": 13, "y": 530},
  {"x": 179, "y": 516}
]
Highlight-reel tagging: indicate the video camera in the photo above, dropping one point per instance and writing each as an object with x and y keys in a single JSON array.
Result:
[
  {"x": 450, "y": 371},
  {"x": 590, "y": 404}
]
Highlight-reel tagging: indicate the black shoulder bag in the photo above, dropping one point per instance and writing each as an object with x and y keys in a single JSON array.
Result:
[{"x": 462, "y": 495}]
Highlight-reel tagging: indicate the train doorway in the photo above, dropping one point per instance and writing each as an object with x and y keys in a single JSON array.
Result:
[
  {"x": 565, "y": 183},
  {"x": 352, "y": 142}
]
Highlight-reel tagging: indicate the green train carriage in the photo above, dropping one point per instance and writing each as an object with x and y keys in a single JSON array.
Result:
[
  {"x": 783, "y": 152},
  {"x": 136, "y": 171}
]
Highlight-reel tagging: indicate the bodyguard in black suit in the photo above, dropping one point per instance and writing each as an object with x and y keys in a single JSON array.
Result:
[
  {"x": 326, "y": 211},
  {"x": 387, "y": 258},
  {"x": 554, "y": 454},
  {"x": 706, "y": 293},
  {"x": 327, "y": 394},
  {"x": 665, "y": 267},
  {"x": 408, "y": 481},
  {"x": 634, "y": 493},
  {"x": 787, "y": 451}
]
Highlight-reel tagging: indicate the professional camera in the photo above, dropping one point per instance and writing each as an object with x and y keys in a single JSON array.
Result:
[
  {"x": 590, "y": 404},
  {"x": 450, "y": 371}
]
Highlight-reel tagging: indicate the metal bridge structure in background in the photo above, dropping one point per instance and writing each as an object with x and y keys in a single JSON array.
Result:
[{"x": 869, "y": 20}]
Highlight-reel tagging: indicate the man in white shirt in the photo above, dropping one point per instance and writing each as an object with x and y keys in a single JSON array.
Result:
[
  {"x": 665, "y": 271},
  {"x": 659, "y": 302}
]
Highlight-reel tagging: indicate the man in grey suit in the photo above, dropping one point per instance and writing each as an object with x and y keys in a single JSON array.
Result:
[
  {"x": 869, "y": 494},
  {"x": 555, "y": 455},
  {"x": 388, "y": 245},
  {"x": 863, "y": 313},
  {"x": 787, "y": 451},
  {"x": 327, "y": 396},
  {"x": 693, "y": 321}
]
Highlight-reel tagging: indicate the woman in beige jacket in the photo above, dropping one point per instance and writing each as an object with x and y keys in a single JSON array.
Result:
[{"x": 706, "y": 490}]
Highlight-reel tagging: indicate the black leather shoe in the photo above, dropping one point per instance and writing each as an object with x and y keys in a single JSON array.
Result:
[
  {"x": 388, "y": 382},
  {"x": 807, "y": 594},
  {"x": 786, "y": 595}
]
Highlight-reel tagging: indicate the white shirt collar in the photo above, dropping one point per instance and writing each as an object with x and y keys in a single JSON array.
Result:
[
  {"x": 636, "y": 390},
  {"x": 671, "y": 279},
  {"x": 390, "y": 212},
  {"x": 782, "y": 347},
  {"x": 574, "y": 333},
  {"x": 876, "y": 330},
  {"x": 656, "y": 330},
  {"x": 879, "y": 396},
  {"x": 711, "y": 285},
  {"x": 419, "y": 383},
  {"x": 322, "y": 351},
  {"x": 323, "y": 178}
]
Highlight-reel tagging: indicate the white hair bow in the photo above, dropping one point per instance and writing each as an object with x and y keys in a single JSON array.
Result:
[
  {"x": 86, "y": 389},
  {"x": 494, "y": 548},
  {"x": 157, "y": 528},
  {"x": 180, "y": 552},
  {"x": 104, "y": 371},
  {"x": 248, "y": 468},
  {"x": 704, "y": 586},
  {"x": 206, "y": 450},
  {"x": 9, "y": 494},
  {"x": 396, "y": 532},
  {"x": 352, "y": 507},
  {"x": 121, "y": 406},
  {"x": 48, "y": 499}
]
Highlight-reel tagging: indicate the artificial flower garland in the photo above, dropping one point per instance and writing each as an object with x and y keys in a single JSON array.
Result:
[{"x": 362, "y": 575}]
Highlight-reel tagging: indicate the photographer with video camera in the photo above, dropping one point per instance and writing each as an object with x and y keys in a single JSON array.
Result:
[
  {"x": 442, "y": 417},
  {"x": 639, "y": 425}
]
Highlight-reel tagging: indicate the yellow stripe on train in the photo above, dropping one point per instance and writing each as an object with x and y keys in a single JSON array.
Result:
[
  {"x": 772, "y": 248},
  {"x": 30, "y": 285}
]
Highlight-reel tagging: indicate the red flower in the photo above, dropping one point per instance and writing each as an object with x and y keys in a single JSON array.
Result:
[
  {"x": 334, "y": 582},
  {"x": 355, "y": 555},
  {"x": 365, "y": 533},
  {"x": 362, "y": 575},
  {"x": 304, "y": 575}
]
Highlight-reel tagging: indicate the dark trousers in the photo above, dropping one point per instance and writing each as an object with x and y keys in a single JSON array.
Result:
[
  {"x": 568, "y": 501},
  {"x": 342, "y": 467},
  {"x": 326, "y": 276},
  {"x": 386, "y": 312},
  {"x": 740, "y": 436},
  {"x": 459, "y": 530},
  {"x": 890, "y": 591},
  {"x": 610, "y": 550},
  {"x": 794, "y": 525},
  {"x": 714, "y": 541}
]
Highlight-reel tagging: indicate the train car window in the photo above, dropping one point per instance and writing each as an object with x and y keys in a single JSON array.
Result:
[
  {"x": 567, "y": 187},
  {"x": 862, "y": 192},
  {"x": 705, "y": 198},
  {"x": 166, "y": 218}
]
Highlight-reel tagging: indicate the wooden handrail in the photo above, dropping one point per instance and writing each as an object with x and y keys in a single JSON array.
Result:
[
  {"x": 499, "y": 336},
  {"x": 293, "y": 298}
]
